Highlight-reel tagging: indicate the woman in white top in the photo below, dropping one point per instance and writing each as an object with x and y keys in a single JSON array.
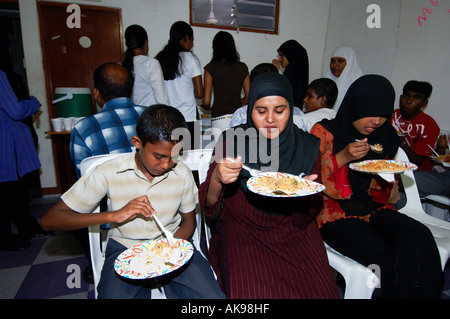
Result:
[
  {"x": 149, "y": 85},
  {"x": 182, "y": 73},
  {"x": 344, "y": 70}
]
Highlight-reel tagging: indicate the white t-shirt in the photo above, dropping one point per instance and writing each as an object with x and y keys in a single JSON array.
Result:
[
  {"x": 318, "y": 115},
  {"x": 181, "y": 89},
  {"x": 149, "y": 85}
]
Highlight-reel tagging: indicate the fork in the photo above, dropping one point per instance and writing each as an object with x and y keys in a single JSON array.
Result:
[
  {"x": 167, "y": 233},
  {"x": 253, "y": 172},
  {"x": 373, "y": 148}
]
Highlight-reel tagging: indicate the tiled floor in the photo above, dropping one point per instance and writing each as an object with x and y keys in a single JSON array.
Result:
[{"x": 52, "y": 267}]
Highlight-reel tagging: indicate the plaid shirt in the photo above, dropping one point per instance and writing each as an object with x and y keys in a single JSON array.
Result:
[
  {"x": 108, "y": 131},
  {"x": 18, "y": 155}
]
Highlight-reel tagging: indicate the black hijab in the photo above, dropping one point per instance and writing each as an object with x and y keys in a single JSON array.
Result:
[
  {"x": 293, "y": 151},
  {"x": 369, "y": 96},
  {"x": 298, "y": 69}
]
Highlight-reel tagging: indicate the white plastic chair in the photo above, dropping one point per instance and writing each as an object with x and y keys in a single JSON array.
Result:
[
  {"x": 413, "y": 208},
  {"x": 97, "y": 240},
  {"x": 202, "y": 173},
  {"x": 357, "y": 276},
  {"x": 360, "y": 281},
  {"x": 193, "y": 160},
  {"x": 441, "y": 199}
]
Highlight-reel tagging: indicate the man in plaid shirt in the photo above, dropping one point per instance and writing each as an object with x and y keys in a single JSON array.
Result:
[{"x": 110, "y": 130}]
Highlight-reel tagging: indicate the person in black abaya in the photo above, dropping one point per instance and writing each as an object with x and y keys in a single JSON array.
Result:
[
  {"x": 265, "y": 247},
  {"x": 292, "y": 56},
  {"x": 358, "y": 218}
]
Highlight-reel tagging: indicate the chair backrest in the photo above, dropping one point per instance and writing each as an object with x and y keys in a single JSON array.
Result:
[
  {"x": 409, "y": 183},
  {"x": 89, "y": 163},
  {"x": 202, "y": 173},
  {"x": 204, "y": 165},
  {"x": 192, "y": 159},
  {"x": 413, "y": 208}
]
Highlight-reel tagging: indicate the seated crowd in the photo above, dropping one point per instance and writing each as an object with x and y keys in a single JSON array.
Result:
[{"x": 272, "y": 118}]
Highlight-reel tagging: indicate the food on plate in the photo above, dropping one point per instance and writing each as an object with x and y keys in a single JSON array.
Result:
[
  {"x": 382, "y": 165},
  {"x": 378, "y": 147},
  {"x": 287, "y": 184},
  {"x": 155, "y": 258},
  {"x": 444, "y": 159}
]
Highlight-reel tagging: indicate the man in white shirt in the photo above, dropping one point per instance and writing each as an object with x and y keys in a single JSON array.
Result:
[{"x": 319, "y": 101}]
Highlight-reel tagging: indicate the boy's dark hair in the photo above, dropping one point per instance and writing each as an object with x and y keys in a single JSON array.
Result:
[
  {"x": 325, "y": 87},
  {"x": 419, "y": 87},
  {"x": 109, "y": 85},
  {"x": 158, "y": 122},
  {"x": 262, "y": 68}
]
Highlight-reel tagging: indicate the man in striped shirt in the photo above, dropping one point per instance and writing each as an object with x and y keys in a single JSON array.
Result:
[{"x": 110, "y": 130}]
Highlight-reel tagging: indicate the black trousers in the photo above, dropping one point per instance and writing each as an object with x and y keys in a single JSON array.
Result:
[
  {"x": 402, "y": 247},
  {"x": 14, "y": 208}
]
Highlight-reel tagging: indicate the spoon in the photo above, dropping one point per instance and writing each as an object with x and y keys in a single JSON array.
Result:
[
  {"x": 373, "y": 148},
  {"x": 252, "y": 171},
  {"x": 435, "y": 153},
  {"x": 279, "y": 192}
]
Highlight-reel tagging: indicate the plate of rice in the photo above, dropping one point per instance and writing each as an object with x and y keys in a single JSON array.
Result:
[
  {"x": 153, "y": 258},
  {"x": 276, "y": 184}
]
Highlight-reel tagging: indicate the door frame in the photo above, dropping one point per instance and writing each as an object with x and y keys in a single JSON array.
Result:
[
  {"x": 64, "y": 167},
  {"x": 48, "y": 81}
]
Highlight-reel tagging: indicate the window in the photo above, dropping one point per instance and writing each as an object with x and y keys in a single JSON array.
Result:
[{"x": 241, "y": 15}]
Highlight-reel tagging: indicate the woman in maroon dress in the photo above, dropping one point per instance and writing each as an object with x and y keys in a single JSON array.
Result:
[{"x": 266, "y": 247}]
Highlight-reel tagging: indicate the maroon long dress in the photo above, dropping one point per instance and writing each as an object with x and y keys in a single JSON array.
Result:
[{"x": 256, "y": 255}]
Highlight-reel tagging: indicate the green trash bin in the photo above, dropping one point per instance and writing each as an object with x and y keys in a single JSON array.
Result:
[{"x": 73, "y": 102}]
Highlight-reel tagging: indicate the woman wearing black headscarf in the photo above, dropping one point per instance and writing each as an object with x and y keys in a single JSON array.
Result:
[
  {"x": 266, "y": 247},
  {"x": 293, "y": 57},
  {"x": 358, "y": 218}
]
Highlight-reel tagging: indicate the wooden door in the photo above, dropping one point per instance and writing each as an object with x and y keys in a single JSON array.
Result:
[{"x": 71, "y": 56}]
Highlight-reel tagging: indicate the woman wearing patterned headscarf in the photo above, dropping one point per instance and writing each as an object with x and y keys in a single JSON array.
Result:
[
  {"x": 266, "y": 247},
  {"x": 358, "y": 219},
  {"x": 344, "y": 70}
]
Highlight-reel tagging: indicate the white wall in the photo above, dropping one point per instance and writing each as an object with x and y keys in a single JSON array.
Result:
[
  {"x": 375, "y": 48},
  {"x": 401, "y": 49},
  {"x": 423, "y": 53},
  {"x": 303, "y": 20}
]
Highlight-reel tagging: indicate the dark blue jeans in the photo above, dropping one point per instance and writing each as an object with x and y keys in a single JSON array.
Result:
[{"x": 195, "y": 280}]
